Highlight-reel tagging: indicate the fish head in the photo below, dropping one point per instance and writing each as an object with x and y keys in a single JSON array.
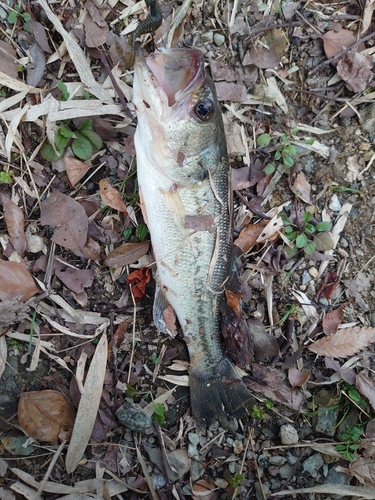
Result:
[{"x": 179, "y": 118}]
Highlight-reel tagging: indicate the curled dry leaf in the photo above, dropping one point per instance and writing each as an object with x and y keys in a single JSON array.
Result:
[
  {"x": 344, "y": 343},
  {"x": 297, "y": 378},
  {"x": 46, "y": 415},
  {"x": 333, "y": 319},
  {"x": 363, "y": 470},
  {"x": 14, "y": 221},
  {"x": 75, "y": 170},
  {"x": 111, "y": 196},
  {"x": 203, "y": 489},
  {"x": 249, "y": 235},
  {"x": 139, "y": 279},
  {"x": 16, "y": 281},
  {"x": 366, "y": 386},
  {"x": 126, "y": 254},
  {"x": 301, "y": 186}
]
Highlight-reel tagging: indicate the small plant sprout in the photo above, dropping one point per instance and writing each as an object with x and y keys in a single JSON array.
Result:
[
  {"x": 159, "y": 414},
  {"x": 236, "y": 479},
  {"x": 16, "y": 14},
  {"x": 350, "y": 437}
]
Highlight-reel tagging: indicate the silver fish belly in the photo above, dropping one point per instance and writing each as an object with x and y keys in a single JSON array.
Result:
[{"x": 183, "y": 177}]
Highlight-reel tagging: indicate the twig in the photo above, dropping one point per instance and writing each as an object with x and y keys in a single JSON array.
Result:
[
  {"x": 343, "y": 52},
  {"x": 256, "y": 465},
  {"x": 133, "y": 336},
  {"x": 251, "y": 430},
  {"x": 145, "y": 471},
  {"x": 49, "y": 470}
]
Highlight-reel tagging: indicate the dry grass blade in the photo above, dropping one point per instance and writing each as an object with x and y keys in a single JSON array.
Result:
[
  {"x": 364, "y": 492},
  {"x": 146, "y": 474},
  {"x": 3, "y": 354},
  {"x": 88, "y": 406}
]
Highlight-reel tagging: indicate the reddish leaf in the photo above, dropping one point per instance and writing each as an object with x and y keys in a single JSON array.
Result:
[
  {"x": 328, "y": 286},
  {"x": 297, "y": 378},
  {"x": 111, "y": 196},
  {"x": 344, "y": 343},
  {"x": 126, "y": 254},
  {"x": 16, "y": 281},
  {"x": 69, "y": 219},
  {"x": 75, "y": 170},
  {"x": 333, "y": 319},
  {"x": 139, "y": 279},
  {"x": 14, "y": 220},
  {"x": 234, "y": 301},
  {"x": 249, "y": 235},
  {"x": 46, "y": 415}
]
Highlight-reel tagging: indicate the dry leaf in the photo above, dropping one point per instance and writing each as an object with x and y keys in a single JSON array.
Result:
[
  {"x": 328, "y": 285},
  {"x": 75, "y": 170},
  {"x": 203, "y": 489},
  {"x": 111, "y": 196},
  {"x": 367, "y": 15},
  {"x": 36, "y": 66},
  {"x": 261, "y": 57},
  {"x": 249, "y": 235},
  {"x": 8, "y": 56},
  {"x": 333, "y": 319},
  {"x": 68, "y": 218},
  {"x": 363, "y": 470},
  {"x": 96, "y": 28},
  {"x": 344, "y": 343},
  {"x": 366, "y": 386},
  {"x": 14, "y": 221},
  {"x": 46, "y": 415},
  {"x": 335, "y": 41},
  {"x": 234, "y": 301},
  {"x": 356, "y": 70},
  {"x": 301, "y": 186},
  {"x": 297, "y": 378},
  {"x": 126, "y": 254},
  {"x": 3, "y": 354},
  {"x": 139, "y": 279},
  {"x": 169, "y": 317},
  {"x": 16, "y": 281},
  {"x": 88, "y": 406}
]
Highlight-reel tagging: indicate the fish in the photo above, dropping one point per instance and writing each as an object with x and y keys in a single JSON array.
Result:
[{"x": 186, "y": 201}]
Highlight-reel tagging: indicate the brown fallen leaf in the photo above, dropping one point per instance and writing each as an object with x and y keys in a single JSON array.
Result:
[
  {"x": 347, "y": 374},
  {"x": 204, "y": 489},
  {"x": 76, "y": 280},
  {"x": 356, "y": 70},
  {"x": 344, "y": 343},
  {"x": 335, "y": 41},
  {"x": 16, "y": 281},
  {"x": 300, "y": 186},
  {"x": 333, "y": 319},
  {"x": 233, "y": 300},
  {"x": 328, "y": 285},
  {"x": 111, "y": 196},
  {"x": 368, "y": 11},
  {"x": 363, "y": 470},
  {"x": 139, "y": 279},
  {"x": 126, "y": 254},
  {"x": 68, "y": 218},
  {"x": 46, "y": 415},
  {"x": 366, "y": 386},
  {"x": 96, "y": 29},
  {"x": 14, "y": 221},
  {"x": 249, "y": 235},
  {"x": 297, "y": 378},
  {"x": 75, "y": 170},
  {"x": 8, "y": 59}
]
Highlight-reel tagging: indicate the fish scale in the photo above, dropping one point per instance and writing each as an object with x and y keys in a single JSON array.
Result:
[{"x": 183, "y": 177}]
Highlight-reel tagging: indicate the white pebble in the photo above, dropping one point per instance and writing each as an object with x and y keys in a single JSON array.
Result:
[
  {"x": 334, "y": 203},
  {"x": 288, "y": 434},
  {"x": 313, "y": 272},
  {"x": 36, "y": 244},
  {"x": 219, "y": 39}
]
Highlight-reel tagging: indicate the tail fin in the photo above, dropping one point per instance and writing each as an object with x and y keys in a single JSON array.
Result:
[{"x": 218, "y": 394}]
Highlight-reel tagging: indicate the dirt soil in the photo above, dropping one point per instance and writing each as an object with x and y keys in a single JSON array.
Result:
[{"x": 94, "y": 403}]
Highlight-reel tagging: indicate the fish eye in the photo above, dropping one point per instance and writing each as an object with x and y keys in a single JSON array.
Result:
[{"x": 204, "y": 110}]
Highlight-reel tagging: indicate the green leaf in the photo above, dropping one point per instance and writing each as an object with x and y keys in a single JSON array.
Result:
[
  {"x": 307, "y": 216},
  {"x": 85, "y": 125},
  {"x": 288, "y": 229},
  {"x": 93, "y": 137},
  {"x": 341, "y": 447},
  {"x": 60, "y": 141},
  {"x": 26, "y": 17},
  {"x": 301, "y": 240},
  {"x": 130, "y": 391},
  {"x": 308, "y": 141},
  {"x": 65, "y": 131},
  {"x": 354, "y": 447},
  {"x": 310, "y": 248},
  {"x": 355, "y": 396},
  {"x": 278, "y": 155},
  {"x": 159, "y": 414},
  {"x": 12, "y": 17},
  {"x": 48, "y": 153},
  {"x": 263, "y": 140},
  {"x": 323, "y": 226},
  {"x": 269, "y": 169},
  {"x": 63, "y": 89},
  {"x": 292, "y": 236},
  {"x": 290, "y": 252},
  {"x": 289, "y": 150},
  {"x": 141, "y": 232},
  {"x": 295, "y": 130},
  {"x": 127, "y": 233},
  {"x": 288, "y": 161},
  {"x": 5, "y": 178},
  {"x": 309, "y": 228},
  {"x": 82, "y": 148}
]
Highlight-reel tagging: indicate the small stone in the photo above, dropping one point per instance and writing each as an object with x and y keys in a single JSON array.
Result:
[
  {"x": 277, "y": 460},
  {"x": 313, "y": 272},
  {"x": 285, "y": 471},
  {"x": 15, "y": 445},
  {"x": 219, "y": 39},
  {"x": 230, "y": 442},
  {"x": 132, "y": 416},
  {"x": 207, "y": 37},
  {"x": 306, "y": 278},
  {"x": 311, "y": 465},
  {"x": 292, "y": 459},
  {"x": 288, "y": 434},
  {"x": 193, "y": 438},
  {"x": 193, "y": 451},
  {"x": 221, "y": 483},
  {"x": 196, "y": 470},
  {"x": 326, "y": 421},
  {"x": 232, "y": 467},
  {"x": 334, "y": 203},
  {"x": 237, "y": 446}
]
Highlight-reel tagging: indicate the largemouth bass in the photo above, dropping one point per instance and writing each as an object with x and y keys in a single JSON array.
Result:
[{"x": 183, "y": 177}]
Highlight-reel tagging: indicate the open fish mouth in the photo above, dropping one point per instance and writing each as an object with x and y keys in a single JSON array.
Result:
[{"x": 166, "y": 77}]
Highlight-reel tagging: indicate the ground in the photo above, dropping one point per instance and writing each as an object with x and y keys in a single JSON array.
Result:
[{"x": 93, "y": 402}]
